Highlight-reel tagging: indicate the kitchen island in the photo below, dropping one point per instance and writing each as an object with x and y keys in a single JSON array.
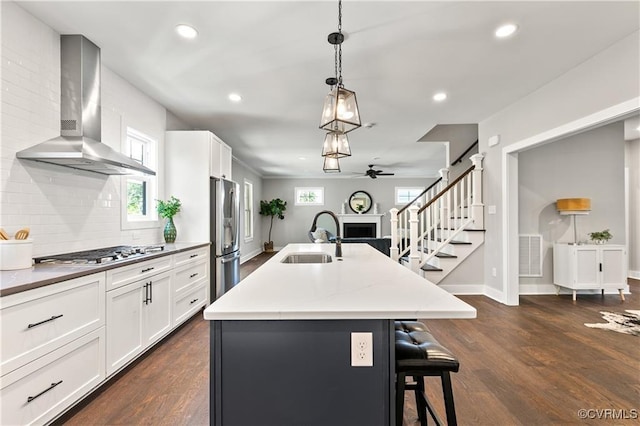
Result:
[{"x": 281, "y": 351}]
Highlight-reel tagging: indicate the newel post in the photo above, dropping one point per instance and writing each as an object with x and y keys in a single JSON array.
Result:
[
  {"x": 394, "y": 250},
  {"x": 444, "y": 174},
  {"x": 414, "y": 254},
  {"x": 477, "y": 206}
]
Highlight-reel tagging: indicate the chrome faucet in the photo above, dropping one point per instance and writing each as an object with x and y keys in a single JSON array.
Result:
[{"x": 335, "y": 218}]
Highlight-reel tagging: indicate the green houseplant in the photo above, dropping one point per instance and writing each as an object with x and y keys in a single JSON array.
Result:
[
  {"x": 168, "y": 209},
  {"x": 600, "y": 237},
  {"x": 274, "y": 208}
]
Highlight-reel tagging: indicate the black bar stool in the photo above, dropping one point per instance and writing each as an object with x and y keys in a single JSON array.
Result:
[{"x": 420, "y": 355}]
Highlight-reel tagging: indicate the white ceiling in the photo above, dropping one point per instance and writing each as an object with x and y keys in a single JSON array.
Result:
[{"x": 396, "y": 56}]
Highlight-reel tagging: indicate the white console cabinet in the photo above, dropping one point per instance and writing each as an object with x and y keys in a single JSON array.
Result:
[{"x": 590, "y": 267}]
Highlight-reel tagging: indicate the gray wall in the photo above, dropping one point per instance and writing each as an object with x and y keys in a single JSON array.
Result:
[
  {"x": 606, "y": 79},
  {"x": 587, "y": 165},
  {"x": 241, "y": 172},
  {"x": 298, "y": 219}
]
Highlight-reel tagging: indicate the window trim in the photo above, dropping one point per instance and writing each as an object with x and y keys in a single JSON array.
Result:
[
  {"x": 410, "y": 188},
  {"x": 298, "y": 189},
  {"x": 251, "y": 210},
  {"x": 152, "y": 182}
]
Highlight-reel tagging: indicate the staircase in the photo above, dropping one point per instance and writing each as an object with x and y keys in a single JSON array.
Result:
[{"x": 433, "y": 239}]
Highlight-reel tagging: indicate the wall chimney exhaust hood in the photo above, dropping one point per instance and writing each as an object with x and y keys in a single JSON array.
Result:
[{"x": 78, "y": 145}]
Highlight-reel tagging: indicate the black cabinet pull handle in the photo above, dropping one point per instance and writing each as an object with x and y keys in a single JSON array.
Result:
[
  {"x": 193, "y": 301},
  {"x": 193, "y": 275},
  {"x": 147, "y": 269},
  {"x": 151, "y": 291},
  {"x": 601, "y": 267},
  {"x": 146, "y": 293},
  {"x": 42, "y": 322},
  {"x": 192, "y": 256},
  {"x": 53, "y": 385}
]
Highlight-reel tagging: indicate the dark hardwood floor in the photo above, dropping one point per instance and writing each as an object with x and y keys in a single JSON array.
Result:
[{"x": 535, "y": 364}]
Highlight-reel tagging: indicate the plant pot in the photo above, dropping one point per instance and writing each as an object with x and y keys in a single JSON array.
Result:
[
  {"x": 268, "y": 247},
  {"x": 170, "y": 231}
]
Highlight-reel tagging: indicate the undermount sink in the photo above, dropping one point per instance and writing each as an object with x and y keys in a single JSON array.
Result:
[{"x": 307, "y": 258}]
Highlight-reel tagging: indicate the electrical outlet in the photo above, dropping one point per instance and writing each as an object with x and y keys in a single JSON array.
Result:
[{"x": 362, "y": 349}]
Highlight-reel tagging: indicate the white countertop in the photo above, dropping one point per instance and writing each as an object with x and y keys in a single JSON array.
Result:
[{"x": 366, "y": 284}]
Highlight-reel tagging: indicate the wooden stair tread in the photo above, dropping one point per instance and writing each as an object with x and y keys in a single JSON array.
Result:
[
  {"x": 427, "y": 267},
  {"x": 446, "y": 255}
]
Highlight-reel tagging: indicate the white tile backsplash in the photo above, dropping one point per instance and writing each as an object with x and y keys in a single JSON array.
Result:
[{"x": 66, "y": 209}]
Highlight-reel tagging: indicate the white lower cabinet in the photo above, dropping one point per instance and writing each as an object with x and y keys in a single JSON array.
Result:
[
  {"x": 39, "y": 391},
  {"x": 35, "y": 322},
  {"x": 61, "y": 341},
  {"x": 590, "y": 267},
  {"x": 138, "y": 314},
  {"x": 190, "y": 284}
]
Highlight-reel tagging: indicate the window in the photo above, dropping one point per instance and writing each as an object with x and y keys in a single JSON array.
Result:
[
  {"x": 140, "y": 191},
  {"x": 309, "y": 196},
  {"x": 248, "y": 211},
  {"x": 405, "y": 195}
]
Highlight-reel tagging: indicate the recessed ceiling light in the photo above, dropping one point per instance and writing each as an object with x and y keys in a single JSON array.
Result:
[
  {"x": 234, "y": 97},
  {"x": 186, "y": 31},
  {"x": 440, "y": 96},
  {"x": 506, "y": 30},
  {"x": 302, "y": 158}
]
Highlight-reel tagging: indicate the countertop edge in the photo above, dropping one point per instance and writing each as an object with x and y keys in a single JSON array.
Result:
[{"x": 89, "y": 270}]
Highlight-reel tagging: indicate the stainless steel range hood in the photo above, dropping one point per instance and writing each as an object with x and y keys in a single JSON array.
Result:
[{"x": 78, "y": 145}]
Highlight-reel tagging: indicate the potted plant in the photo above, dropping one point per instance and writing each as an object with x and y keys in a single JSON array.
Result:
[
  {"x": 600, "y": 237},
  {"x": 273, "y": 208},
  {"x": 168, "y": 209}
]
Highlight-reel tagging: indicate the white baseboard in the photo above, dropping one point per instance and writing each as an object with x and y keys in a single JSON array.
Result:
[
  {"x": 634, "y": 274},
  {"x": 494, "y": 294},
  {"x": 550, "y": 289},
  {"x": 464, "y": 289}
]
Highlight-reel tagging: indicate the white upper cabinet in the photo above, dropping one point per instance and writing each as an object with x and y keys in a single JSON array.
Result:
[{"x": 197, "y": 151}]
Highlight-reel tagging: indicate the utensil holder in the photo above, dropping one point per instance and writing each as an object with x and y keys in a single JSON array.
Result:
[{"x": 16, "y": 254}]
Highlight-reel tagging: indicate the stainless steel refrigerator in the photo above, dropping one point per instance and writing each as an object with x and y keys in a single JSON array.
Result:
[{"x": 225, "y": 235}]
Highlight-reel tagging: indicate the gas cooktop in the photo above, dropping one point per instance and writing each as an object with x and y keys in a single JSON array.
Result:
[{"x": 99, "y": 256}]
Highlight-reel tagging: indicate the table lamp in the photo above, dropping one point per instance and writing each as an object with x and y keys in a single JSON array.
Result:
[{"x": 574, "y": 207}]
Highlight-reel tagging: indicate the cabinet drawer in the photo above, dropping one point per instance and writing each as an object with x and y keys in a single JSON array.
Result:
[
  {"x": 42, "y": 389},
  {"x": 189, "y": 275},
  {"x": 191, "y": 256},
  {"x": 41, "y": 320},
  {"x": 189, "y": 302},
  {"x": 128, "y": 274}
]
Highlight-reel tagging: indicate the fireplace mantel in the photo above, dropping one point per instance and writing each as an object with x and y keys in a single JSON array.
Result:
[{"x": 361, "y": 218}]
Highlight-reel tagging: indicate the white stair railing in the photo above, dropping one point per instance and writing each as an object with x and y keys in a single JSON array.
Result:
[
  {"x": 456, "y": 207},
  {"x": 400, "y": 218}
]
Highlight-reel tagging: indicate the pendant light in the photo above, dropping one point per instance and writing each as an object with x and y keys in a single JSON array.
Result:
[
  {"x": 331, "y": 165},
  {"x": 340, "y": 111},
  {"x": 336, "y": 145}
]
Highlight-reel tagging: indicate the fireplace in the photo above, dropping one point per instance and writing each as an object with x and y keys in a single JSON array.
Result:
[{"x": 359, "y": 230}]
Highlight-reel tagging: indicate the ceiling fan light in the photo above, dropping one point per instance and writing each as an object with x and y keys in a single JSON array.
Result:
[
  {"x": 340, "y": 111},
  {"x": 336, "y": 145},
  {"x": 331, "y": 165}
]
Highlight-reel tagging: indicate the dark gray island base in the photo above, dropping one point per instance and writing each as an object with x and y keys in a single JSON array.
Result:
[{"x": 298, "y": 372}]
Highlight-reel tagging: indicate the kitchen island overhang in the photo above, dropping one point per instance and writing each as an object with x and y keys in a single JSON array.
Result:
[{"x": 281, "y": 339}]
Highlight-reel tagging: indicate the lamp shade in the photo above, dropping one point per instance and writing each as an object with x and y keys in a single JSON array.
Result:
[
  {"x": 568, "y": 206},
  {"x": 331, "y": 165},
  {"x": 336, "y": 145},
  {"x": 340, "y": 111}
]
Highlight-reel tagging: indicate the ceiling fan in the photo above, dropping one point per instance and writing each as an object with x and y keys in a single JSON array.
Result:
[{"x": 375, "y": 173}]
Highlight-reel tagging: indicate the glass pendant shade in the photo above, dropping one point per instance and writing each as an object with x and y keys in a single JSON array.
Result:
[
  {"x": 331, "y": 165},
  {"x": 340, "y": 112},
  {"x": 336, "y": 145}
]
